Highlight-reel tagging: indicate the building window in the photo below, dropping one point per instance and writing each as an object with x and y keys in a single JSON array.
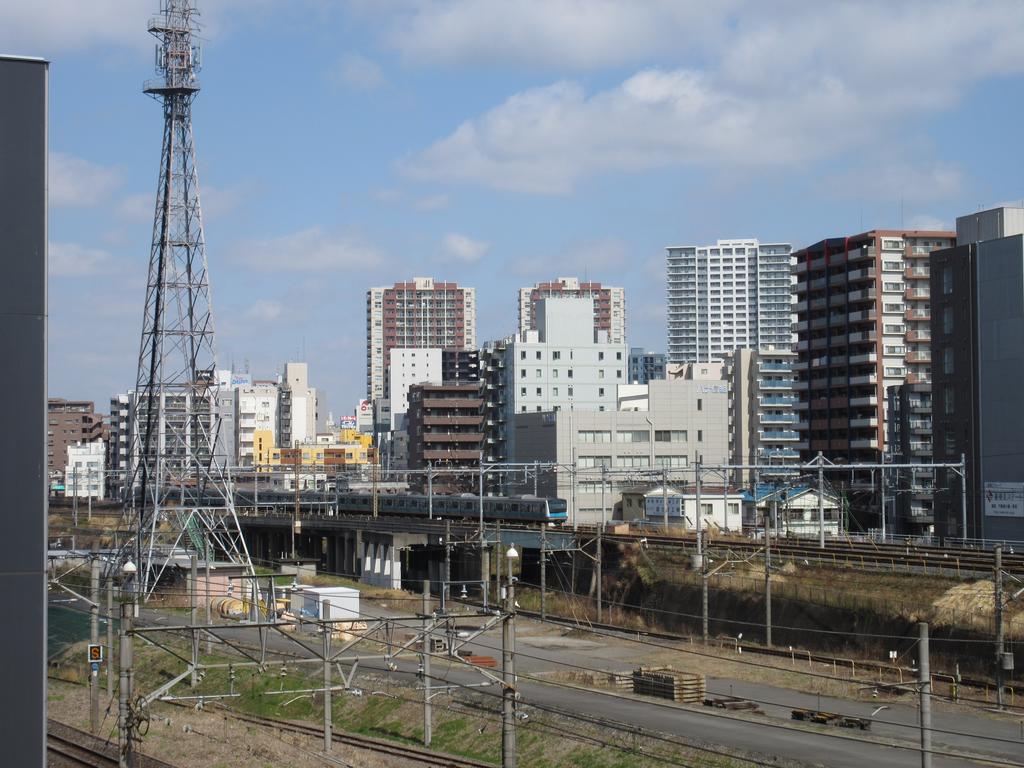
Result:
[
  {"x": 540, "y": 373},
  {"x": 600, "y": 374},
  {"x": 556, "y": 355},
  {"x": 949, "y": 402},
  {"x": 669, "y": 462},
  {"x": 570, "y": 391},
  {"x": 522, "y": 354},
  {"x": 522, "y": 373},
  {"x": 631, "y": 436},
  {"x": 538, "y": 354},
  {"x": 554, "y": 373},
  {"x": 594, "y": 436},
  {"x": 554, "y": 391},
  {"x": 600, "y": 355},
  {"x": 618, "y": 355},
  {"x": 947, "y": 280},
  {"x": 700, "y": 404},
  {"x": 632, "y": 461},
  {"x": 523, "y": 409},
  {"x": 538, "y": 408},
  {"x": 618, "y": 374},
  {"x": 947, "y": 360},
  {"x": 947, "y": 320},
  {"x": 522, "y": 391},
  {"x": 670, "y": 436},
  {"x": 706, "y": 510},
  {"x": 700, "y": 435},
  {"x": 593, "y": 462},
  {"x": 538, "y": 391},
  {"x": 893, "y": 371},
  {"x": 600, "y": 391},
  {"x": 569, "y": 373}
]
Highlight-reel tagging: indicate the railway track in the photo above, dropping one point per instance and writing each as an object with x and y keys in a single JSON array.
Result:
[
  {"x": 893, "y": 557},
  {"x": 70, "y": 747},
  {"x": 380, "y": 746}
]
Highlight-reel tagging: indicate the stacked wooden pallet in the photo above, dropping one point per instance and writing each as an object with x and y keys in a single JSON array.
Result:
[{"x": 688, "y": 687}]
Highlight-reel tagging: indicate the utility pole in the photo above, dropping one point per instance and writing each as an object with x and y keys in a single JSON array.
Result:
[
  {"x": 998, "y": 578},
  {"x": 430, "y": 490},
  {"x": 536, "y": 476},
  {"x": 664, "y": 496},
  {"x": 446, "y": 584},
  {"x": 963, "y": 497},
  {"x": 193, "y": 583},
  {"x": 110, "y": 635},
  {"x": 598, "y": 563},
  {"x": 701, "y": 560},
  {"x": 543, "y": 571},
  {"x": 427, "y": 650},
  {"x": 209, "y": 615},
  {"x": 124, "y": 716},
  {"x": 295, "y": 514},
  {"x": 94, "y": 638},
  {"x": 925, "y": 686},
  {"x": 328, "y": 628},
  {"x": 821, "y": 500},
  {"x": 881, "y": 488},
  {"x": 768, "y": 575},
  {"x": 508, "y": 635}
]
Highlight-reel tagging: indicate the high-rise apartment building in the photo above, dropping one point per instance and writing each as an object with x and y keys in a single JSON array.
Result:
[
  {"x": 978, "y": 349},
  {"x": 255, "y": 411},
  {"x": 419, "y": 313},
  {"x": 609, "y": 304},
  {"x": 69, "y": 422},
  {"x": 863, "y": 314},
  {"x": 446, "y": 426},
  {"x": 734, "y": 294}
]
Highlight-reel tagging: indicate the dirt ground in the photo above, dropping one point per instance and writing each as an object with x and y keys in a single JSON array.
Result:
[{"x": 186, "y": 737}]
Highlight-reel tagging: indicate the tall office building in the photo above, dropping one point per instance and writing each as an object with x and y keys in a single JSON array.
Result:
[
  {"x": 978, "y": 350},
  {"x": 297, "y": 407},
  {"x": 609, "y": 304},
  {"x": 863, "y": 314},
  {"x": 418, "y": 313},
  {"x": 734, "y": 294}
]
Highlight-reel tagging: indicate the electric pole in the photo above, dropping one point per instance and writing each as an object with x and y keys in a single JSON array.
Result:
[
  {"x": 998, "y": 606},
  {"x": 427, "y": 649},
  {"x": 328, "y": 629},
  {"x": 508, "y": 634},
  {"x": 598, "y": 563},
  {"x": 124, "y": 716},
  {"x": 193, "y": 583},
  {"x": 925, "y": 686},
  {"x": 94, "y": 638},
  {"x": 543, "y": 572},
  {"x": 821, "y": 500},
  {"x": 768, "y": 575}
]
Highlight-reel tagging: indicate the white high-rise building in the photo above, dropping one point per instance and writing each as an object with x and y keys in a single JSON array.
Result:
[
  {"x": 734, "y": 294},
  {"x": 84, "y": 474}
]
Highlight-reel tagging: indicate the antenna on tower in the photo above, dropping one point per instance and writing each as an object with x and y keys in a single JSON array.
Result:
[{"x": 178, "y": 495}]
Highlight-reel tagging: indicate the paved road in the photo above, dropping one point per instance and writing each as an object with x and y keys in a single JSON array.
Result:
[{"x": 773, "y": 734}]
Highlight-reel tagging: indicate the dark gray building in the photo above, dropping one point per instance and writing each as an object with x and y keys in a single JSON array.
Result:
[
  {"x": 909, "y": 493},
  {"x": 23, "y": 320},
  {"x": 645, "y": 366},
  {"x": 977, "y": 291}
]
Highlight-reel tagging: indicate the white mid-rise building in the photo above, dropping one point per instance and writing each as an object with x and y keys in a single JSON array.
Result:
[
  {"x": 734, "y": 294},
  {"x": 84, "y": 474},
  {"x": 297, "y": 407},
  {"x": 256, "y": 409},
  {"x": 416, "y": 365}
]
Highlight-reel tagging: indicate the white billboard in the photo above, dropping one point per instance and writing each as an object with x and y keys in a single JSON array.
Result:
[{"x": 1004, "y": 499}]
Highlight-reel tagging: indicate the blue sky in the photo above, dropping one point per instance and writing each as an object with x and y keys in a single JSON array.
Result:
[{"x": 348, "y": 144}]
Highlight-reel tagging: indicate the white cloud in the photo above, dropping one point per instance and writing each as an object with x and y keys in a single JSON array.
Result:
[
  {"x": 462, "y": 248},
  {"x": 583, "y": 258},
  {"x": 136, "y": 207},
  {"x": 308, "y": 250},
  {"x": 359, "y": 73},
  {"x": 575, "y": 34},
  {"x": 890, "y": 181},
  {"x": 774, "y": 94},
  {"x": 78, "y": 182},
  {"x": 75, "y": 260}
]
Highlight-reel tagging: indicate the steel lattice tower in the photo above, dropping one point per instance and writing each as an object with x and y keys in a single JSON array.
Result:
[{"x": 179, "y": 494}]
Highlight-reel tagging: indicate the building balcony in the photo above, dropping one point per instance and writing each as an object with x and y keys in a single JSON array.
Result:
[
  {"x": 916, "y": 273},
  {"x": 864, "y": 400},
  {"x": 452, "y": 437},
  {"x": 864, "y": 442},
  {"x": 918, "y": 378},
  {"x": 917, "y": 294},
  {"x": 453, "y": 455},
  {"x": 870, "y": 357},
  {"x": 781, "y": 367},
  {"x": 777, "y": 384},
  {"x": 778, "y": 418},
  {"x": 917, "y": 314},
  {"x": 779, "y": 453},
  {"x": 913, "y": 336},
  {"x": 919, "y": 357},
  {"x": 778, "y": 435},
  {"x": 869, "y": 378},
  {"x": 777, "y": 400},
  {"x": 871, "y": 422}
]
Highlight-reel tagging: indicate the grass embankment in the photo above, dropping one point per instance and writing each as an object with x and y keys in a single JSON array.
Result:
[{"x": 465, "y": 723}]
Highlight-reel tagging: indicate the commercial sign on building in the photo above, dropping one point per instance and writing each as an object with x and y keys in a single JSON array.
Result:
[{"x": 1004, "y": 499}]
